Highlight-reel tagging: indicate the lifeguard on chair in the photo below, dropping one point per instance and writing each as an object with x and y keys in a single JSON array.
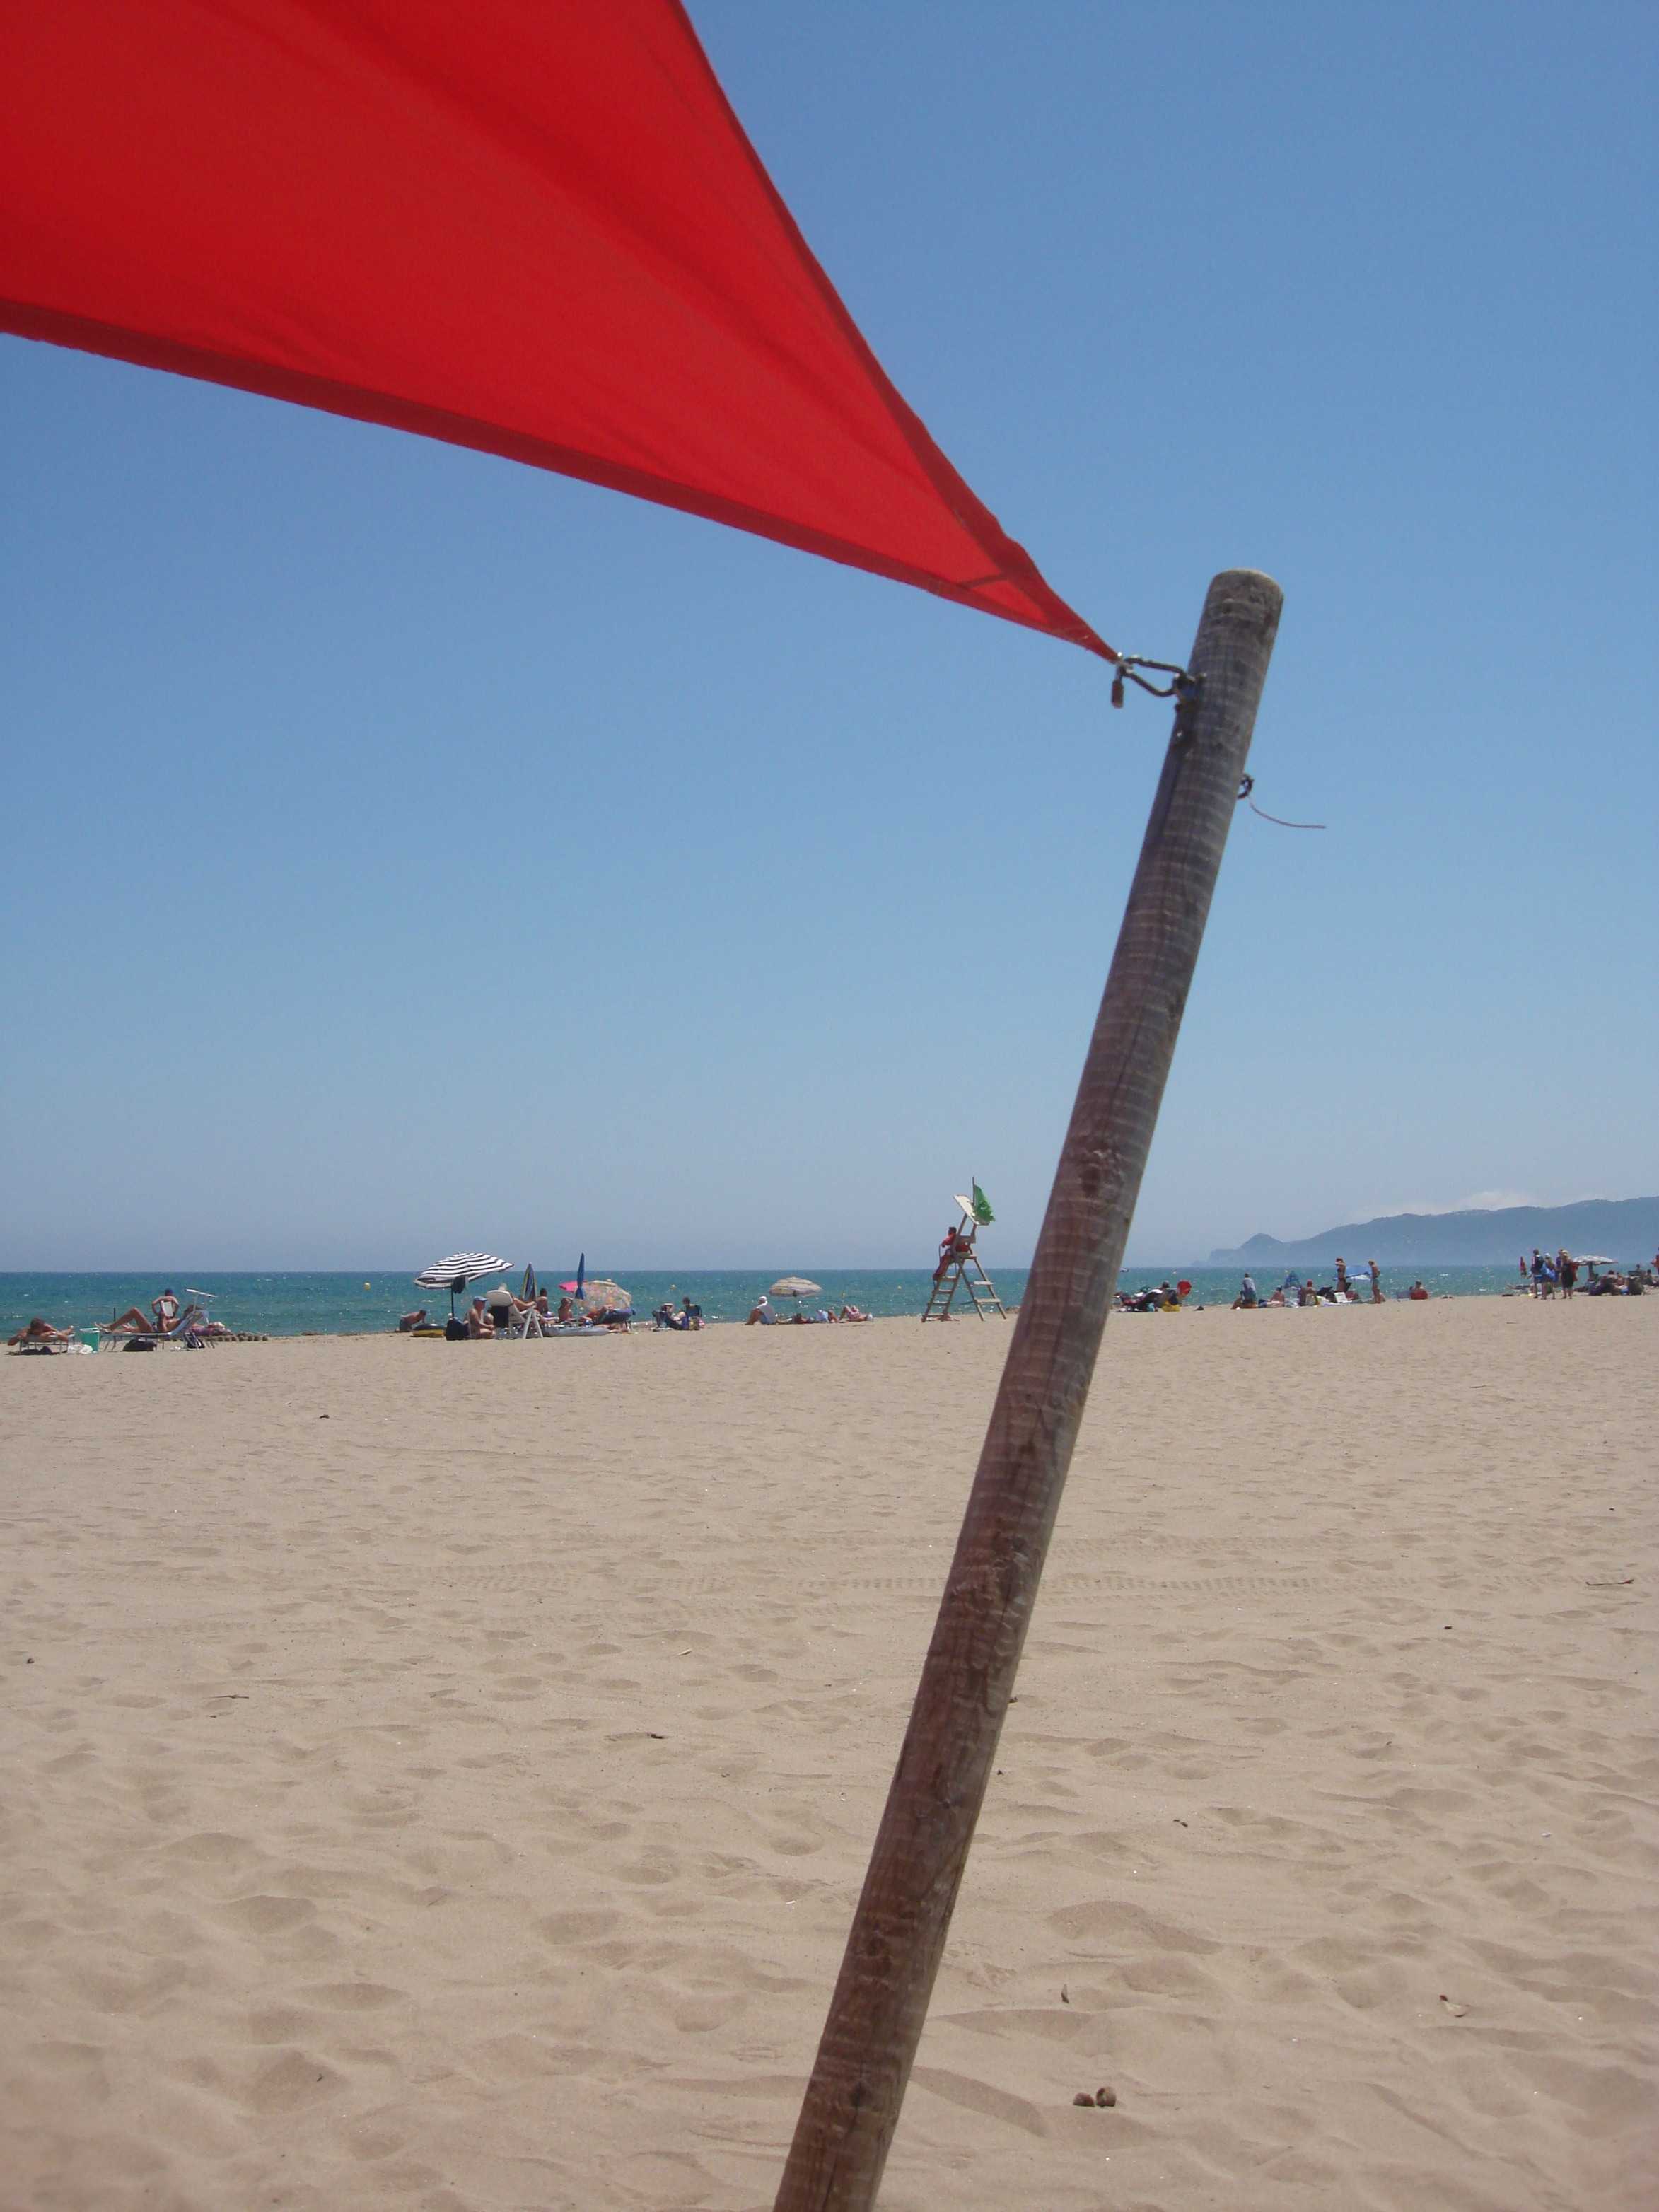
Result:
[{"x": 958, "y": 1263}]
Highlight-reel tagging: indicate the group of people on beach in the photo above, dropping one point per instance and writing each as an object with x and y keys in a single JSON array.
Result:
[
  {"x": 167, "y": 1320},
  {"x": 502, "y": 1313},
  {"x": 1542, "y": 1277},
  {"x": 761, "y": 1315},
  {"x": 1361, "y": 1289}
]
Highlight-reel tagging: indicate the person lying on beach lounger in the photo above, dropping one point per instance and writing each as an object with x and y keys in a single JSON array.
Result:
[
  {"x": 612, "y": 1317},
  {"x": 130, "y": 1323},
  {"x": 39, "y": 1331}
]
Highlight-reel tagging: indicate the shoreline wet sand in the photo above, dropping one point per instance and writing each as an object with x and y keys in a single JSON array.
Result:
[{"x": 439, "y": 1777}]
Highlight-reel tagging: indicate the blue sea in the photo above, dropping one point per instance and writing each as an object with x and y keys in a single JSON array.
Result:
[{"x": 367, "y": 1302}]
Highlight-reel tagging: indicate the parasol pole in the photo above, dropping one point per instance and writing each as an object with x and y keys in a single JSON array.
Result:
[{"x": 875, "y": 2020}]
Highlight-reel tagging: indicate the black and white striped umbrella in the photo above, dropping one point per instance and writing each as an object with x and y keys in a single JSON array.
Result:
[{"x": 460, "y": 1269}]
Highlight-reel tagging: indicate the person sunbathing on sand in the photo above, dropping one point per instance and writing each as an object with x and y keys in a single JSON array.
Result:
[
  {"x": 42, "y": 1331},
  {"x": 478, "y": 1322}
]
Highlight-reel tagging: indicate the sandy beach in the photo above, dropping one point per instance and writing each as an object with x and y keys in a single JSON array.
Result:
[{"x": 439, "y": 1776}]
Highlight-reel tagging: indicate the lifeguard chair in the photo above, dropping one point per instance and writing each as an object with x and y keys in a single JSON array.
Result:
[{"x": 959, "y": 1266}]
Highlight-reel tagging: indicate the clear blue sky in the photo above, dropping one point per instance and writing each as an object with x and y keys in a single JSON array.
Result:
[{"x": 404, "y": 849}]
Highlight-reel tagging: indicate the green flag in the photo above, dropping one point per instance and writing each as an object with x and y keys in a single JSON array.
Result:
[{"x": 982, "y": 1212}]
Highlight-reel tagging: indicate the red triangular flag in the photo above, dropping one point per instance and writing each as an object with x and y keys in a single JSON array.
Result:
[{"x": 533, "y": 226}]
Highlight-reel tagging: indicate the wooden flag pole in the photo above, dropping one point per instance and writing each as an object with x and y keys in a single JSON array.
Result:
[{"x": 876, "y": 2015}]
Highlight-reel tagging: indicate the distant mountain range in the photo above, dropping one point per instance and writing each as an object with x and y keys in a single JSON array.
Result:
[{"x": 1624, "y": 1229}]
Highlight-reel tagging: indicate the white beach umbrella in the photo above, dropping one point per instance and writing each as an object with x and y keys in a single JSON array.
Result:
[{"x": 795, "y": 1286}]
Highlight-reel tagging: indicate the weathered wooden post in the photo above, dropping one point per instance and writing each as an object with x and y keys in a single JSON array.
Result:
[{"x": 876, "y": 2015}]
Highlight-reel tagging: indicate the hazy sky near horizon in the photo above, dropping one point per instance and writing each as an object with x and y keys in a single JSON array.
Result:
[{"x": 407, "y": 850}]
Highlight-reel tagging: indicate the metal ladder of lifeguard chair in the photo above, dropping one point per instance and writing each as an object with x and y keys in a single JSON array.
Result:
[{"x": 982, "y": 1290}]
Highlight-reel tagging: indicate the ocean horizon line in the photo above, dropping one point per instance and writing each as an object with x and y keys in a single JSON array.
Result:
[{"x": 516, "y": 1267}]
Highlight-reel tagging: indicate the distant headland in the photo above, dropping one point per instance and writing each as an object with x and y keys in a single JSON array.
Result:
[{"x": 1622, "y": 1228}]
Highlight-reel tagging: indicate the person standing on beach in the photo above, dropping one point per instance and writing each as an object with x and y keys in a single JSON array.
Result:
[
  {"x": 1341, "y": 1277},
  {"x": 1377, "y": 1284},
  {"x": 1566, "y": 1268}
]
